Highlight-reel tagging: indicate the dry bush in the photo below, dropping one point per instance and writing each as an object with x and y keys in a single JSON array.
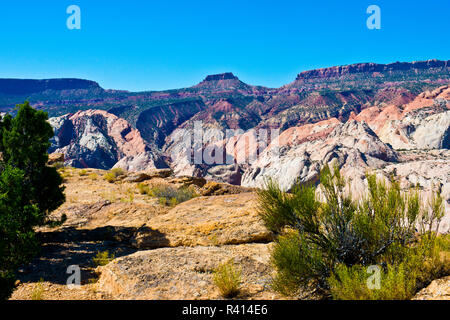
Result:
[{"x": 227, "y": 277}]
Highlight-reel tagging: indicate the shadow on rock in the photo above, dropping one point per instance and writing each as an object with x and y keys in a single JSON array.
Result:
[{"x": 69, "y": 246}]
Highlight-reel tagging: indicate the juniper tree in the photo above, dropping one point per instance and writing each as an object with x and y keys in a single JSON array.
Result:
[{"x": 29, "y": 189}]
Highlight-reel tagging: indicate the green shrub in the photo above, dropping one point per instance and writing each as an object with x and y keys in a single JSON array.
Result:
[
  {"x": 118, "y": 172},
  {"x": 168, "y": 195},
  {"x": 130, "y": 196},
  {"x": 93, "y": 176},
  {"x": 110, "y": 177},
  {"x": 64, "y": 175},
  {"x": 422, "y": 263},
  {"x": 227, "y": 277},
  {"x": 322, "y": 241},
  {"x": 24, "y": 141},
  {"x": 38, "y": 291},
  {"x": 103, "y": 258},
  {"x": 298, "y": 263},
  {"x": 82, "y": 173},
  {"x": 162, "y": 201},
  {"x": 173, "y": 202},
  {"x": 7, "y": 280},
  {"x": 350, "y": 283}
]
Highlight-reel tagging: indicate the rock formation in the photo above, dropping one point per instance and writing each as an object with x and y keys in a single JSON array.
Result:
[
  {"x": 421, "y": 124},
  {"x": 302, "y": 152},
  {"x": 98, "y": 139}
]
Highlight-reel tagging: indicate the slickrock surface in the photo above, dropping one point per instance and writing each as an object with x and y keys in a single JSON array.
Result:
[
  {"x": 207, "y": 230},
  {"x": 186, "y": 273},
  {"x": 187, "y": 242},
  {"x": 214, "y": 220}
]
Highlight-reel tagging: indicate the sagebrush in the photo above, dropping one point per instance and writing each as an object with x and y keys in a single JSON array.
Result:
[
  {"x": 326, "y": 239},
  {"x": 171, "y": 196}
]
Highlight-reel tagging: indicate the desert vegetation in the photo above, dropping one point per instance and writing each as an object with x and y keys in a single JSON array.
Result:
[
  {"x": 167, "y": 195},
  {"x": 114, "y": 174},
  {"x": 38, "y": 292},
  {"x": 329, "y": 244},
  {"x": 93, "y": 176},
  {"x": 102, "y": 258},
  {"x": 227, "y": 278}
]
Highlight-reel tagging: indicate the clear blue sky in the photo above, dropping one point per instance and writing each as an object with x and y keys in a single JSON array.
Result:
[{"x": 153, "y": 45}]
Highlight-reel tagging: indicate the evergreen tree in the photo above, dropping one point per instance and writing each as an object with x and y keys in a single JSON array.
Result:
[
  {"x": 24, "y": 141},
  {"x": 29, "y": 189},
  {"x": 17, "y": 239}
]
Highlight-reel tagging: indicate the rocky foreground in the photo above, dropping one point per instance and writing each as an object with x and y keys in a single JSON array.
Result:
[
  {"x": 157, "y": 251},
  {"x": 161, "y": 252}
]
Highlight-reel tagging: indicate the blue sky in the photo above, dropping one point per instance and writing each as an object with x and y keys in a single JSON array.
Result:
[{"x": 153, "y": 45}]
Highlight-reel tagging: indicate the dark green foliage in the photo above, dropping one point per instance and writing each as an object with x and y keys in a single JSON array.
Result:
[
  {"x": 17, "y": 241},
  {"x": 29, "y": 189},
  {"x": 318, "y": 234},
  {"x": 299, "y": 263},
  {"x": 7, "y": 280},
  {"x": 24, "y": 141},
  {"x": 412, "y": 268},
  {"x": 168, "y": 195}
]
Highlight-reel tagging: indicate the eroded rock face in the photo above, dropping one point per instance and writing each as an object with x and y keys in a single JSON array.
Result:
[
  {"x": 157, "y": 123},
  {"x": 143, "y": 161},
  {"x": 28, "y": 86},
  {"x": 223, "y": 158},
  {"x": 356, "y": 149},
  {"x": 225, "y": 82},
  {"x": 373, "y": 69},
  {"x": 418, "y": 131},
  {"x": 384, "y": 96},
  {"x": 303, "y": 152},
  {"x": 98, "y": 139},
  {"x": 423, "y": 123},
  {"x": 186, "y": 273}
]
